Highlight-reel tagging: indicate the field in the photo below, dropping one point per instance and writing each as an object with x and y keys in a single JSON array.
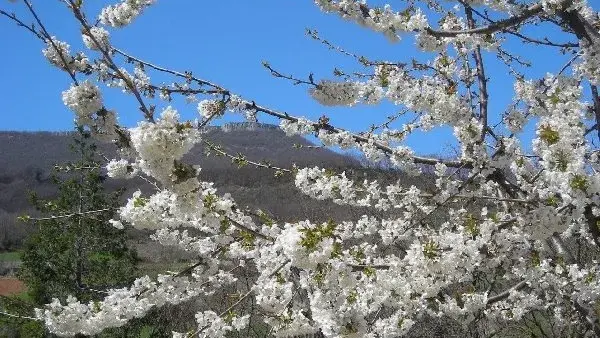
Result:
[
  {"x": 11, "y": 286},
  {"x": 10, "y": 256}
]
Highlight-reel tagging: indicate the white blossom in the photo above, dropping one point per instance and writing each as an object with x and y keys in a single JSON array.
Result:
[
  {"x": 59, "y": 54},
  {"x": 120, "y": 169},
  {"x": 84, "y": 99},
  {"x": 100, "y": 35},
  {"x": 211, "y": 108},
  {"x": 124, "y": 12}
]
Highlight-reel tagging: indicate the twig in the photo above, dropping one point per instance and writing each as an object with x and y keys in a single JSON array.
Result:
[
  {"x": 70, "y": 215},
  {"x": 51, "y": 41},
  {"x": 18, "y": 316},
  {"x": 220, "y": 151},
  {"x": 21, "y": 24},
  {"x": 186, "y": 75}
]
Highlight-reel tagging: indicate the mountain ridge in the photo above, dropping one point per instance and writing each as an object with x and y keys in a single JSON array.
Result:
[{"x": 27, "y": 159}]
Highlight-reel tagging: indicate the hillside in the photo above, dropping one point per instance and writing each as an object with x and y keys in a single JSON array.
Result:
[{"x": 27, "y": 159}]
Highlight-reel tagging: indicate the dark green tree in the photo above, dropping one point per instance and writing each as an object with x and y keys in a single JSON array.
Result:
[{"x": 76, "y": 251}]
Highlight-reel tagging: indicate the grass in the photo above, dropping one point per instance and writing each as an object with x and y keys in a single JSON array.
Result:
[
  {"x": 147, "y": 331},
  {"x": 10, "y": 256}
]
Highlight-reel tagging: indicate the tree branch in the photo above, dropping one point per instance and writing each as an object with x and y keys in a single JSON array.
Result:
[
  {"x": 596, "y": 108},
  {"x": 148, "y": 114},
  {"x": 483, "y": 94},
  {"x": 494, "y": 27},
  {"x": 51, "y": 41}
]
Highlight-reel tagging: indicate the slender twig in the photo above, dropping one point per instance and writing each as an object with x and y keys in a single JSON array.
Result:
[
  {"x": 22, "y": 24},
  {"x": 296, "y": 80},
  {"x": 525, "y": 38},
  {"x": 361, "y": 59},
  {"x": 357, "y": 138},
  {"x": 234, "y": 158},
  {"x": 52, "y": 42},
  {"x": 53, "y": 217},
  {"x": 18, "y": 316},
  {"x": 503, "y": 295},
  {"x": 186, "y": 75}
]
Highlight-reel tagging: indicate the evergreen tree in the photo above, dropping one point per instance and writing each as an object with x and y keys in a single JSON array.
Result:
[{"x": 76, "y": 251}]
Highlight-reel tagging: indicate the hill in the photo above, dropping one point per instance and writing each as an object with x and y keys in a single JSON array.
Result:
[{"x": 27, "y": 160}]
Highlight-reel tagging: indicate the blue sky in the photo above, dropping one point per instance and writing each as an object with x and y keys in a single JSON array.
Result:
[{"x": 225, "y": 42}]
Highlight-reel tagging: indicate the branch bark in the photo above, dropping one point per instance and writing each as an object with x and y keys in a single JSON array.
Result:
[{"x": 483, "y": 93}]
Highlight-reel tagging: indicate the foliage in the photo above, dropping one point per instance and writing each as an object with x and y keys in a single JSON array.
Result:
[
  {"x": 75, "y": 249},
  {"x": 20, "y": 327}
]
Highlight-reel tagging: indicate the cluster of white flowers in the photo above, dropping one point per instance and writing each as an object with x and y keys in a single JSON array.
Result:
[
  {"x": 211, "y": 108},
  {"x": 560, "y": 131},
  {"x": 84, "y": 99},
  {"x": 293, "y": 323},
  {"x": 300, "y": 127},
  {"x": 159, "y": 145},
  {"x": 140, "y": 78},
  {"x": 515, "y": 120},
  {"x": 59, "y": 54},
  {"x": 383, "y": 19},
  {"x": 330, "y": 93},
  {"x": 439, "y": 101},
  {"x": 211, "y": 325},
  {"x": 100, "y": 35},
  {"x": 120, "y": 169},
  {"x": 122, "y": 305},
  {"x": 553, "y": 6},
  {"x": 123, "y": 13},
  {"x": 590, "y": 66}
]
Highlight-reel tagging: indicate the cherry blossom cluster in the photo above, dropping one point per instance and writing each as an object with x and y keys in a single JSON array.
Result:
[
  {"x": 383, "y": 19},
  {"x": 122, "y": 305},
  {"x": 123, "y": 13},
  {"x": 98, "y": 39},
  {"x": 59, "y": 54}
]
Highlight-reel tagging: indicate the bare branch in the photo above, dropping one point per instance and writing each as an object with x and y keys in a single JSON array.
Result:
[{"x": 22, "y": 24}]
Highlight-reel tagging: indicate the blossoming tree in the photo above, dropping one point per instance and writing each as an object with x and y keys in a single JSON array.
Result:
[{"x": 374, "y": 276}]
